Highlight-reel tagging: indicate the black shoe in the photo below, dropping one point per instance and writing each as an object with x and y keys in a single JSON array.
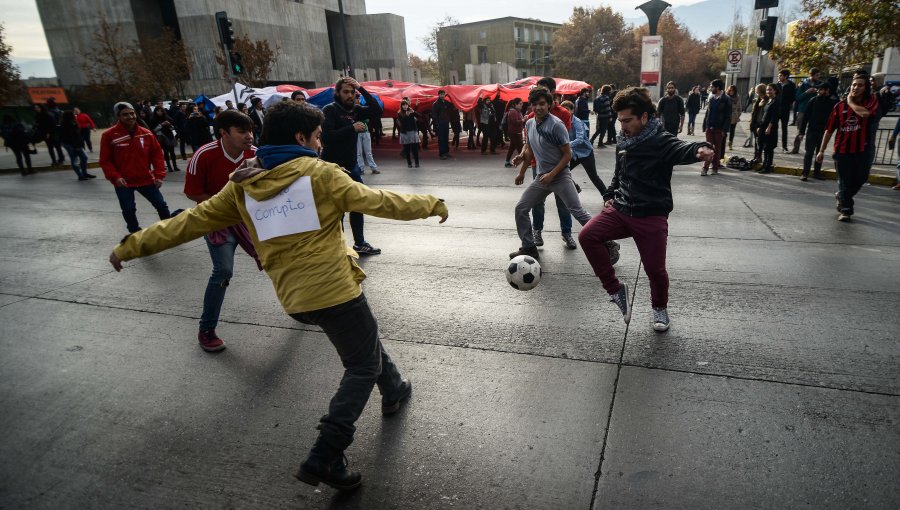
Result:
[
  {"x": 391, "y": 405},
  {"x": 818, "y": 177},
  {"x": 331, "y": 471},
  {"x": 531, "y": 251},
  {"x": 366, "y": 249},
  {"x": 90, "y": 176},
  {"x": 83, "y": 178}
]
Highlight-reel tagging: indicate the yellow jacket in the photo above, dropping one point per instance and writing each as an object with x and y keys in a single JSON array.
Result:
[{"x": 310, "y": 270}]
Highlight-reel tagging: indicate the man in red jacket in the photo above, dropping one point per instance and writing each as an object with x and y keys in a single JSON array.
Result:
[{"x": 127, "y": 151}]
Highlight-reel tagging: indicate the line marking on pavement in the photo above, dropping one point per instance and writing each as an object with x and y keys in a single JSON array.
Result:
[{"x": 764, "y": 222}]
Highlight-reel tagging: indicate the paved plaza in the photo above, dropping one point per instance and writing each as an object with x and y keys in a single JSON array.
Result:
[{"x": 777, "y": 386}]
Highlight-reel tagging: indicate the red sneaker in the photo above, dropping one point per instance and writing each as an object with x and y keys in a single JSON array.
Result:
[{"x": 210, "y": 342}]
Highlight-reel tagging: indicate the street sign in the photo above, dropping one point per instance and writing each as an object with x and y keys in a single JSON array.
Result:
[{"x": 733, "y": 61}]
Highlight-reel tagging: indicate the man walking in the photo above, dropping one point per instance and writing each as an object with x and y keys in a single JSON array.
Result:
[
  {"x": 582, "y": 110},
  {"x": 805, "y": 93},
  {"x": 671, "y": 110},
  {"x": 440, "y": 116},
  {"x": 639, "y": 200},
  {"x": 127, "y": 153},
  {"x": 343, "y": 120},
  {"x": 258, "y": 116},
  {"x": 207, "y": 173},
  {"x": 602, "y": 110},
  {"x": 787, "y": 94},
  {"x": 813, "y": 120},
  {"x": 716, "y": 123},
  {"x": 315, "y": 276}
]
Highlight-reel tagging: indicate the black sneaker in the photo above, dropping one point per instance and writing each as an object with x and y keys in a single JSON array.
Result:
[
  {"x": 531, "y": 251},
  {"x": 620, "y": 298},
  {"x": 391, "y": 405},
  {"x": 613, "y": 248},
  {"x": 660, "y": 319},
  {"x": 538, "y": 238},
  {"x": 569, "y": 241},
  {"x": 366, "y": 249},
  {"x": 331, "y": 471}
]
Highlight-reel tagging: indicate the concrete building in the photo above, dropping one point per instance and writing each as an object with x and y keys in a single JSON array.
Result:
[
  {"x": 492, "y": 50},
  {"x": 307, "y": 34}
]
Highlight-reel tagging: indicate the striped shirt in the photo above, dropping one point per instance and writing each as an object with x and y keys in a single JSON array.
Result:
[{"x": 851, "y": 130}]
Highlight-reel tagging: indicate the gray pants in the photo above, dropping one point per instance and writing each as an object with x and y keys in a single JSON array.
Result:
[{"x": 536, "y": 193}]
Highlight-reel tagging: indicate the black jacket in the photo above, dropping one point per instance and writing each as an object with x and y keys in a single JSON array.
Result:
[
  {"x": 338, "y": 136},
  {"x": 723, "y": 114},
  {"x": 196, "y": 129},
  {"x": 786, "y": 94},
  {"x": 642, "y": 182},
  {"x": 818, "y": 109},
  {"x": 258, "y": 119}
]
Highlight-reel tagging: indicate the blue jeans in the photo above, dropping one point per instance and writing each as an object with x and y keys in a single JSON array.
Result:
[
  {"x": 80, "y": 167},
  {"x": 223, "y": 268},
  {"x": 353, "y": 331},
  {"x": 537, "y": 213},
  {"x": 129, "y": 209}
]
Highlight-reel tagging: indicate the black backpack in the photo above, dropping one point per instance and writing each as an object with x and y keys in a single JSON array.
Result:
[{"x": 738, "y": 163}]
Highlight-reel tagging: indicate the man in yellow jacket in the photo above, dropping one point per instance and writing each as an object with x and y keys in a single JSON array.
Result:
[{"x": 292, "y": 204}]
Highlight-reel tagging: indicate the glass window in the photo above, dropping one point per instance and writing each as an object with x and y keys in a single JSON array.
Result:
[
  {"x": 520, "y": 53},
  {"x": 537, "y": 35},
  {"x": 483, "y": 35},
  {"x": 518, "y": 34},
  {"x": 547, "y": 35},
  {"x": 527, "y": 34}
]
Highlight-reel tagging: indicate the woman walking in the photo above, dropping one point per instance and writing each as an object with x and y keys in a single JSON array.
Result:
[
  {"x": 736, "y": 108},
  {"x": 515, "y": 123},
  {"x": 407, "y": 120},
  {"x": 693, "y": 108},
  {"x": 767, "y": 132},
  {"x": 72, "y": 141}
]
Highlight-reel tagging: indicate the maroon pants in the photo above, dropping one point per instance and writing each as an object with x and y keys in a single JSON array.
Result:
[
  {"x": 650, "y": 234},
  {"x": 717, "y": 138}
]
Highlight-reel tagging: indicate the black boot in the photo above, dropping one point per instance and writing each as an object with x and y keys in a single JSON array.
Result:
[{"x": 329, "y": 466}]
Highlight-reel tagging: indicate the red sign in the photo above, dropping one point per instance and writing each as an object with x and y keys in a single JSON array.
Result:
[{"x": 649, "y": 77}]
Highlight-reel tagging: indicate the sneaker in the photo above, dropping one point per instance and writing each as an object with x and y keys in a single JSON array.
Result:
[
  {"x": 408, "y": 166},
  {"x": 531, "y": 251},
  {"x": 804, "y": 178},
  {"x": 90, "y": 176},
  {"x": 210, "y": 342},
  {"x": 331, "y": 471},
  {"x": 366, "y": 249},
  {"x": 896, "y": 186},
  {"x": 375, "y": 171},
  {"x": 390, "y": 406},
  {"x": 613, "y": 248},
  {"x": 538, "y": 238},
  {"x": 417, "y": 165},
  {"x": 703, "y": 172},
  {"x": 843, "y": 217},
  {"x": 660, "y": 319},
  {"x": 83, "y": 178},
  {"x": 569, "y": 241},
  {"x": 620, "y": 298},
  {"x": 715, "y": 172},
  {"x": 507, "y": 165}
]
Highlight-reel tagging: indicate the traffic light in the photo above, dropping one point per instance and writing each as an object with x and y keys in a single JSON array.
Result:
[
  {"x": 226, "y": 32},
  {"x": 765, "y": 4},
  {"x": 237, "y": 66},
  {"x": 767, "y": 39}
]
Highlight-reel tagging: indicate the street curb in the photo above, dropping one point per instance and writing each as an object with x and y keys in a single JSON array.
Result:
[{"x": 830, "y": 174}]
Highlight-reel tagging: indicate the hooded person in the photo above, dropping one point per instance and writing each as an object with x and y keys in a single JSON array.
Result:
[{"x": 292, "y": 203}]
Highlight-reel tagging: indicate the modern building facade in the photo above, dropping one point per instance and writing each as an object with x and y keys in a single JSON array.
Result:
[
  {"x": 307, "y": 34},
  {"x": 501, "y": 47}
]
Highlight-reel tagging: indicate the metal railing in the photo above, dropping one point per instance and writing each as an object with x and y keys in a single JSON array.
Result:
[{"x": 884, "y": 155}]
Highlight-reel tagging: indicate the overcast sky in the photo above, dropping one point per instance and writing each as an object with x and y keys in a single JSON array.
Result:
[{"x": 24, "y": 33}]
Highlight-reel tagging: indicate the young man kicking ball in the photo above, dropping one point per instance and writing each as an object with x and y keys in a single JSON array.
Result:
[
  {"x": 639, "y": 200},
  {"x": 548, "y": 140},
  {"x": 292, "y": 206}
]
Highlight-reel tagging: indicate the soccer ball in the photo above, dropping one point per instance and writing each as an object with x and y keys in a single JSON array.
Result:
[{"x": 523, "y": 272}]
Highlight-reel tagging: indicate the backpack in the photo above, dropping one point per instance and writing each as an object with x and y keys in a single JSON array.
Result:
[{"x": 738, "y": 163}]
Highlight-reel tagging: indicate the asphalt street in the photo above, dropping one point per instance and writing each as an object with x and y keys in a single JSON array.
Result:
[{"x": 777, "y": 386}]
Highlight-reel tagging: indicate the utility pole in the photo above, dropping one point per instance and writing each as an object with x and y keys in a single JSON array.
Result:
[{"x": 346, "y": 41}]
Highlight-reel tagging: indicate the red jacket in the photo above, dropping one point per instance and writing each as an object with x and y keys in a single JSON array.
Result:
[
  {"x": 84, "y": 121},
  {"x": 127, "y": 155}
]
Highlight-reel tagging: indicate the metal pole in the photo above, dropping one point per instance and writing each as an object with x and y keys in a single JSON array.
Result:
[
  {"x": 346, "y": 42},
  {"x": 233, "y": 77},
  {"x": 765, "y": 16}
]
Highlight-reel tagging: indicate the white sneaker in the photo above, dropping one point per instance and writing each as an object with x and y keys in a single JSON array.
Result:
[{"x": 660, "y": 319}]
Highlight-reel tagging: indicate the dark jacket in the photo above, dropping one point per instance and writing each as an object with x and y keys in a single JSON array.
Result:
[
  {"x": 670, "y": 110},
  {"x": 16, "y": 137},
  {"x": 722, "y": 114},
  {"x": 338, "y": 136},
  {"x": 71, "y": 135},
  {"x": 693, "y": 103},
  {"x": 258, "y": 119},
  {"x": 787, "y": 93},
  {"x": 408, "y": 122},
  {"x": 581, "y": 109},
  {"x": 197, "y": 130},
  {"x": 642, "y": 182},
  {"x": 440, "y": 112},
  {"x": 602, "y": 106},
  {"x": 771, "y": 115},
  {"x": 815, "y": 118}
]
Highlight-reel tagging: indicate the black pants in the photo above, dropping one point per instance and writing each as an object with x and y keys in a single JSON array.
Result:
[
  {"x": 352, "y": 330},
  {"x": 785, "y": 120},
  {"x": 86, "y": 136},
  {"x": 487, "y": 137},
  {"x": 590, "y": 166},
  {"x": 601, "y": 129},
  {"x": 169, "y": 154},
  {"x": 812, "y": 143},
  {"x": 768, "y": 144},
  {"x": 20, "y": 155},
  {"x": 853, "y": 172},
  {"x": 611, "y": 131},
  {"x": 411, "y": 149}
]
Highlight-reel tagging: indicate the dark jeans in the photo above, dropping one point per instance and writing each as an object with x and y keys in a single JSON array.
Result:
[
  {"x": 443, "y": 136},
  {"x": 515, "y": 145},
  {"x": 853, "y": 172},
  {"x": 54, "y": 147},
  {"x": 767, "y": 144},
  {"x": 129, "y": 209},
  {"x": 356, "y": 219},
  {"x": 487, "y": 137},
  {"x": 79, "y": 166},
  {"x": 601, "y": 129},
  {"x": 692, "y": 120},
  {"x": 352, "y": 330},
  {"x": 611, "y": 131},
  {"x": 20, "y": 155},
  {"x": 86, "y": 136},
  {"x": 785, "y": 121},
  {"x": 223, "y": 269},
  {"x": 169, "y": 153},
  {"x": 812, "y": 143},
  {"x": 590, "y": 166},
  {"x": 411, "y": 149}
]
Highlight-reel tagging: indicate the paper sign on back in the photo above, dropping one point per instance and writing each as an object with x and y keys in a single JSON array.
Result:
[{"x": 291, "y": 211}]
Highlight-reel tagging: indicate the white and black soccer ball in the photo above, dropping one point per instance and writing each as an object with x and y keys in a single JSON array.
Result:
[{"x": 523, "y": 272}]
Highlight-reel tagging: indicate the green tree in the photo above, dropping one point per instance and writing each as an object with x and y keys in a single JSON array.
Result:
[
  {"x": 439, "y": 68},
  {"x": 595, "y": 45},
  {"x": 836, "y": 34},
  {"x": 10, "y": 81},
  {"x": 427, "y": 67}
]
